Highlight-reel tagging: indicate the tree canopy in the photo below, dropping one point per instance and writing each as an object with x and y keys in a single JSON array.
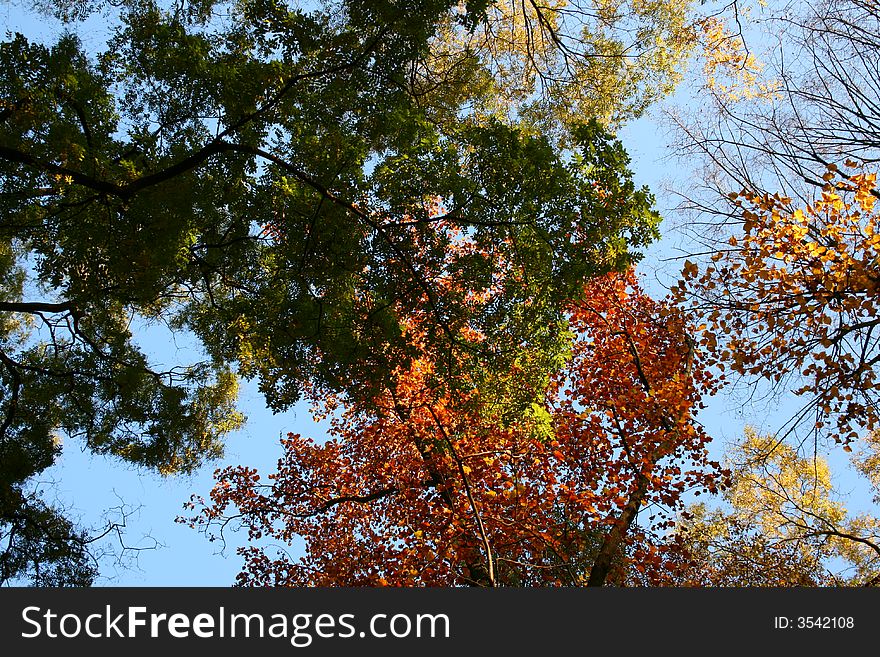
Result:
[
  {"x": 783, "y": 286},
  {"x": 428, "y": 487},
  {"x": 418, "y": 217},
  {"x": 294, "y": 185}
]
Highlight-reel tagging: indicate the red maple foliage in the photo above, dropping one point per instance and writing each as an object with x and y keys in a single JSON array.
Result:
[{"x": 430, "y": 484}]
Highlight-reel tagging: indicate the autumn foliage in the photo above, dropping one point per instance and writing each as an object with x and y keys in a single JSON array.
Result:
[
  {"x": 794, "y": 299},
  {"x": 429, "y": 484},
  {"x": 782, "y": 524}
]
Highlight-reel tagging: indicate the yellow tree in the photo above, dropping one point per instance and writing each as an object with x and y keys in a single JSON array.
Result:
[
  {"x": 556, "y": 63},
  {"x": 785, "y": 200},
  {"x": 782, "y": 525},
  {"x": 793, "y": 301}
]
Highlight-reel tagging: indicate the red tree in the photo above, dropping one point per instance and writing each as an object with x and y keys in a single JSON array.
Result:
[{"x": 431, "y": 484}]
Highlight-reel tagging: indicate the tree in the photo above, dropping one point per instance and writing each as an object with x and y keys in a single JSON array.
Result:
[
  {"x": 786, "y": 206},
  {"x": 429, "y": 486},
  {"x": 293, "y": 187},
  {"x": 793, "y": 301},
  {"x": 43, "y": 545},
  {"x": 553, "y": 63},
  {"x": 783, "y": 526},
  {"x": 786, "y": 293},
  {"x": 785, "y": 115}
]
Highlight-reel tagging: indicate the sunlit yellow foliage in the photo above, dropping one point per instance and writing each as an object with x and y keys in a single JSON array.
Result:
[
  {"x": 867, "y": 461},
  {"x": 731, "y": 71},
  {"x": 563, "y": 61},
  {"x": 778, "y": 490},
  {"x": 782, "y": 524}
]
